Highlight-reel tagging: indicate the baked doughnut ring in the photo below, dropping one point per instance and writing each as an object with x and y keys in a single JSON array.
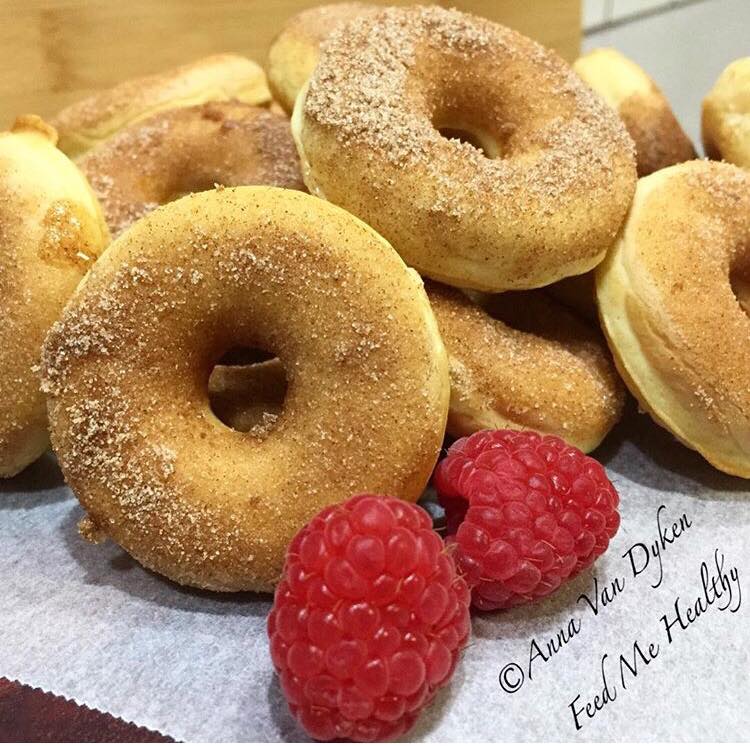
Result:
[
  {"x": 187, "y": 150},
  {"x": 127, "y": 366},
  {"x": 220, "y": 77},
  {"x": 648, "y": 117},
  {"x": 518, "y": 360},
  {"x": 294, "y": 52},
  {"x": 679, "y": 335},
  {"x": 52, "y": 230},
  {"x": 522, "y": 361},
  {"x": 726, "y": 116},
  {"x": 544, "y": 200}
]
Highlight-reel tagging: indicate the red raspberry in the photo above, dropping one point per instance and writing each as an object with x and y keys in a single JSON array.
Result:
[
  {"x": 525, "y": 511},
  {"x": 368, "y": 619}
]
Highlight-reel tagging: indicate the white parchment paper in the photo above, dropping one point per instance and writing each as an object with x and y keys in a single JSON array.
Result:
[{"x": 88, "y": 623}]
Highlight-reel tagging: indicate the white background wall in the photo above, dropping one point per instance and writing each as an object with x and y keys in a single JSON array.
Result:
[{"x": 682, "y": 45}]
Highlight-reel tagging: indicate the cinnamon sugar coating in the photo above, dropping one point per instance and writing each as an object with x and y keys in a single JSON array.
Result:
[
  {"x": 127, "y": 367},
  {"x": 673, "y": 300},
  {"x": 543, "y": 197},
  {"x": 295, "y": 51},
  {"x": 189, "y": 149},
  {"x": 51, "y": 231},
  {"x": 219, "y": 77},
  {"x": 648, "y": 117}
]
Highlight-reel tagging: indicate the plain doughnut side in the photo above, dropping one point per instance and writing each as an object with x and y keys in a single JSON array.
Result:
[{"x": 671, "y": 314}]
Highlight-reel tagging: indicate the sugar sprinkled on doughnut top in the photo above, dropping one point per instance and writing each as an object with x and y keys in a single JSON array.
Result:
[
  {"x": 359, "y": 88},
  {"x": 479, "y": 154}
]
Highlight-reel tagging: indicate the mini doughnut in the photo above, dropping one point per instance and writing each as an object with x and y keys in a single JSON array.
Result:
[
  {"x": 187, "y": 150},
  {"x": 726, "y": 116},
  {"x": 520, "y": 360},
  {"x": 648, "y": 117},
  {"x": 52, "y": 230},
  {"x": 127, "y": 368},
  {"x": 679, "y": 333},
  {"x": 542, "y": 199},
  {"x": 294, "y": 52},
  {"x": 220, "y": 77}
]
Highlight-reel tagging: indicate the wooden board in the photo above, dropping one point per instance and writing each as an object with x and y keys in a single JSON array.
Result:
[{"x": 53, "y": 52}]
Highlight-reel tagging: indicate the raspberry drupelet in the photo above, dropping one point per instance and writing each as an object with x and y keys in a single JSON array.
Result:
[
  {"x": 525, "y": 512},
  {"x": 368, "y": 619}
]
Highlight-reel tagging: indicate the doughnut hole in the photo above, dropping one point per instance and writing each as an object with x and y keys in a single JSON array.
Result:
[
  {"x": 479, "y": 140},
  {"x": 739, "y": 279},
  {"x": 459, "y": 112},
  {"x": 246, "y": 390},
  {"x": 245, "y": 356}
]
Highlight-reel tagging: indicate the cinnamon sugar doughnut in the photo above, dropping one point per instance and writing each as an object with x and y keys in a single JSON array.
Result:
[
  {"x": 187, "y": 150},
  {"x": 679, "y": 333},
  {"x": 294, "y": 52},
  {"x": 520, "y": 360},
  {"x": 726, "y": 115},
  {"x": 51, "y": 230},
  {"x": 650, "y": 121},
  {"x": 542, "y": 199},
  {"x": 127, "y": 366},
  {"x": 220, "y": 77}
]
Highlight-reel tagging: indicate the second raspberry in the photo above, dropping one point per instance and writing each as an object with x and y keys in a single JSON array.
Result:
[{"x": 525, "y": 511}]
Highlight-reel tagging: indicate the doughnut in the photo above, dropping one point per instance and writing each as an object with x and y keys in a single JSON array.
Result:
[
  {"x": 517, "y": 360},
  {"x": 294, "y": 52},
  {"x": 126, "y": 371},
  {"x": 220, "y": 77},
  {"x": 665, "y": 292},
  {"x": 645, "y": 111},
  {"x": 725, "y": 122},
  {"x": 52, "y": 230},
  {"x": 191, "y": 149},
  {"x": 521, "y": 361},
  {"x": 248, "y": 397},
  {"x": 539, "y": 196}
]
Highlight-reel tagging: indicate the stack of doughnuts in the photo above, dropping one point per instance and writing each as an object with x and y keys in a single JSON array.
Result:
[{"x": 420, "y": 289}]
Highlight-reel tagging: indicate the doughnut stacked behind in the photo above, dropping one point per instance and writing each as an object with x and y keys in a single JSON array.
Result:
[
  {"x": 126, "y": 371},
  {"x": 726, "y": 115},
  {"x": 658, "y": 137},
  {"x": 521, "y": 361},
  {"x": 220, "y": 77},
  {"x": 295, "y": 51},
  {"x": 189, "y": 149},
  {"x": 540, "y": 195},
  {"x": 673, "y": 319},
  {"x": 52, "y": 231}
]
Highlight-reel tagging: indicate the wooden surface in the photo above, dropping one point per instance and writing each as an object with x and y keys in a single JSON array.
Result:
[{"x": 53, "y": 52}]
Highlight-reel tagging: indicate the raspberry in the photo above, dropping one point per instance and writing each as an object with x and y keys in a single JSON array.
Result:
[
  {"x": 525, "y": 511},
  {"x": 368, "y": 619}
]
